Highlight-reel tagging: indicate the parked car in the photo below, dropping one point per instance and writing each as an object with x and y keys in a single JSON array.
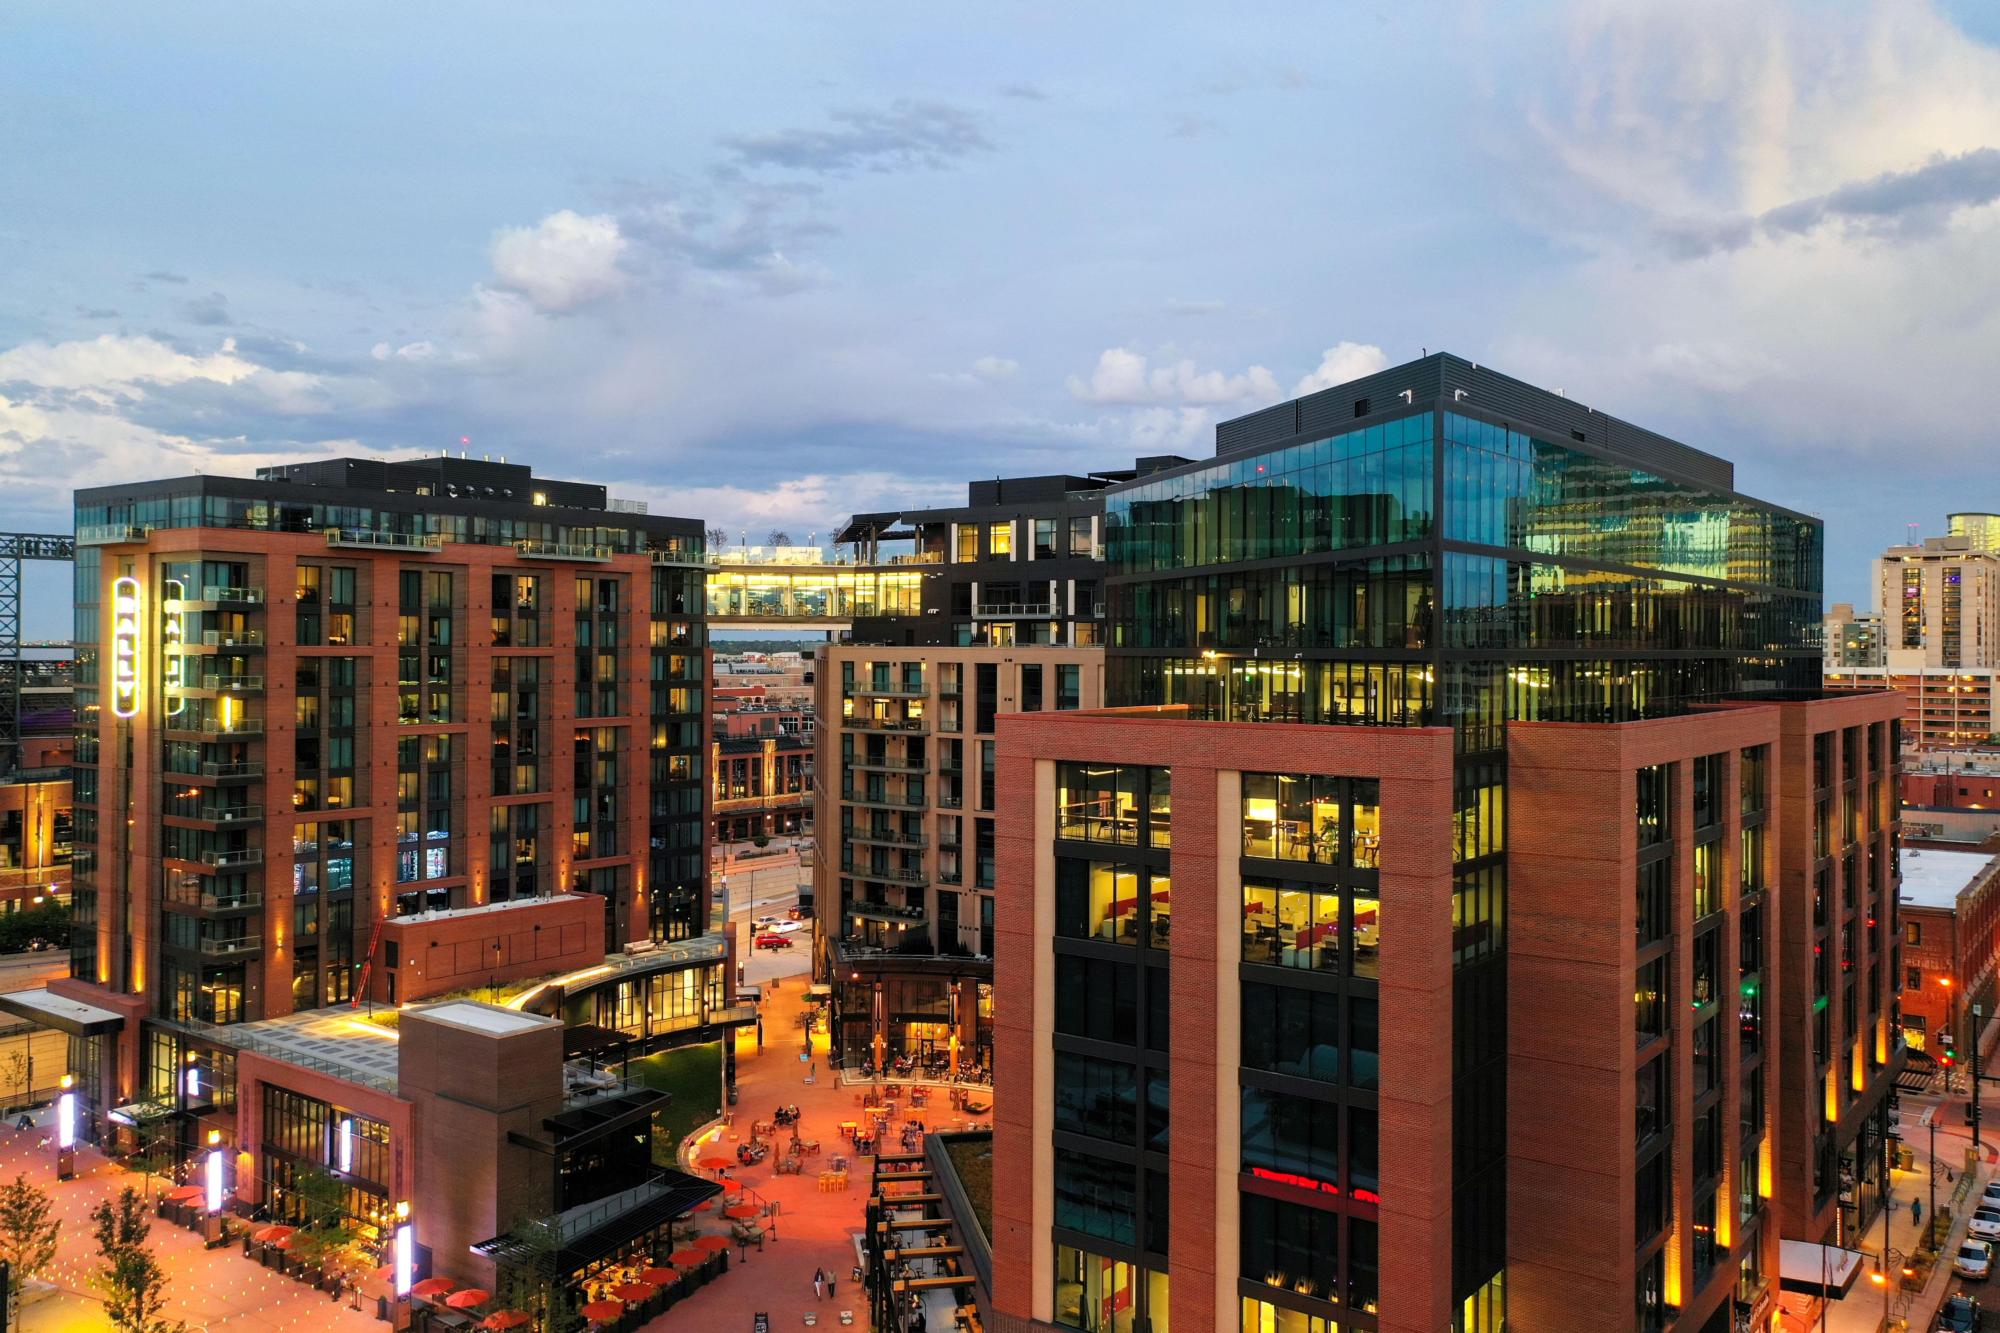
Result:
[
  {"x": 1959, "y": 1315},
  {"x": 782, "y": 942},
  {"x": 1985, "y": 1223},
  {"x": 1974, "y": 1260},
  {"x": 1991, "y": 1198}
]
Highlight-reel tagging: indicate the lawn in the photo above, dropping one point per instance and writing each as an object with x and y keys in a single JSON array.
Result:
[{"x": 693, "y": 1077}]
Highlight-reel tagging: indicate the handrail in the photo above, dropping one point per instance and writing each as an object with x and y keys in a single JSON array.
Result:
[{"x": 401, "y": 541}]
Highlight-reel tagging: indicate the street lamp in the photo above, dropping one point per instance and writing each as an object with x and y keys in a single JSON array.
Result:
[{"x": 66, "y": 1129}]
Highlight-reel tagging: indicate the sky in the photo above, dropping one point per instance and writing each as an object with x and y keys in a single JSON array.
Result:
[{"x": 769, "y": 264}]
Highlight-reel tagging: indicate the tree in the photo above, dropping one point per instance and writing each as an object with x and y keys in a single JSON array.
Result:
[
  {"x": 327, "y": 1238},
  {"x": 154, "y": 1153},
  {"x": 133, "y": 1284},
  {"x": 717, "y": 539},
  {"x": 532, "y": 1280},
  {"x": 27, "y": 1232},
  {"x": 779, "y": 537}
]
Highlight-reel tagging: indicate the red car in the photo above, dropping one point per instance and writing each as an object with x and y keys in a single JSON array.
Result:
[{"x": 774, "y": 942}]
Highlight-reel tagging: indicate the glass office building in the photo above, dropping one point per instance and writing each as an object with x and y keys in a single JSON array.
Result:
[{"x": 1433, "y": 546}]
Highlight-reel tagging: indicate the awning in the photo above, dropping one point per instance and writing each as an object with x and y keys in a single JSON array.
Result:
[
  {"x": 819, "y": 990},
  {"x": 1803, "y": 1266},
  {"x": 71, "y": 1016}
]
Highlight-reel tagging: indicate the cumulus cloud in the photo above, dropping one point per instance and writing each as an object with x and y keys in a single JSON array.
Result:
[
  {"x": 904, "y": 135},
  {"x": 815, "y": 503},
  {"x": 111, "y": 365},
  {"x": 1125, "y": 376},
  {"x": 1340, "y": 363},
  {"x": 563, "y": 262}
]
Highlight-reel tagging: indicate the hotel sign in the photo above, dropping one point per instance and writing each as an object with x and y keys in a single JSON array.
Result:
[
  {"x": 173, "y": 630},
  {"x": 125, "y": 647}
]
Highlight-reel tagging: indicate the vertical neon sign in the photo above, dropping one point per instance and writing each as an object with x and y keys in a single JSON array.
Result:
[
  {"x": 125, "y": 647},
  {"x": 173, "y": 630}
]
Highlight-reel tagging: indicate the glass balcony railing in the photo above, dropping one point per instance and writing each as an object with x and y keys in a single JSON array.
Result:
[{"x": 365, "y": 538}]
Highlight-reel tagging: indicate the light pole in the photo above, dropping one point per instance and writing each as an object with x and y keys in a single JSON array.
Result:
[
  {"x": 405, "y": 1245},
  {"x": 66, "y": 1129}
]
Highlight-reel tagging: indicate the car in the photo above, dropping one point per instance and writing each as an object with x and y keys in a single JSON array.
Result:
[
  {"x": 781, "y": 942},
  {"x": 1959, "y": 1315},
  {"x": 1985, "y": 1224},
  {"x": 1974, "y": 1260},
  {"x": 803, "y": 912},
  {"x": 1991, "y": 1198}
]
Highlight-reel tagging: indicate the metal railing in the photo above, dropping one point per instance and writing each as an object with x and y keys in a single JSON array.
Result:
[
  {"x": 888, "y": 838},
  {"x": 227, "y": 948},
  {"x": 214, "y": 726},
  {"x": 888, "y": 723},
  {"x": 884, "y": 911},
  {"x": 913, "y": 877},
  {"x": 1015, "y": 609},
  {"x": 232, "y": 682},
  {"x": 110, "y": 534},
  {"x": 243, "y": 770},
  {"x": 904, "y": 691},
  {"x": 231, "y": 814},
  {"x": 222, "y": 592},
  {"x": 242, "y": 638},
  {"x": 887, "y": 765},
  {"x": 533, "y": 548},
  {"x": 398, "y": 541},
  {"x": 239, "y": 856}
]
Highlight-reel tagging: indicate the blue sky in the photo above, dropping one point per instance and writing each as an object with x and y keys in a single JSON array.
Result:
[{"x": 768, "y": 264}]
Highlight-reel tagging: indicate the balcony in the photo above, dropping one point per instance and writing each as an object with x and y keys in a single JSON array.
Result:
[
  {"x": 530, "y": 548},
  {"x": 915, "y": 878},
  {"x": 230, "y": 948},
  {"x": 905, "y": 724},
  {"x": 904, "y": 691},
  {"x": 680, "y": 558},
  {"x": 232, "y": 772},
  {"x": 241, "y": 638},
  {"x": 234, "y": 859},
  {"x": 1016, "y": 610},
  {"x": 883, "y": 764},
  {"x": 215, "y": 727},
  {"x": 887, "y": 838},
  {"x": 420, "y": 543},
  {"x": 236, "y": 684},
  {"x": 231, "y": 814},
  {"x": 891, "y": 912},
  {"x": 886, "y": 800}
]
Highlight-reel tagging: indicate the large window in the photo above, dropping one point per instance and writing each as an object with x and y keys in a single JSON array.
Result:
[
  {"x": 1655, "y": 805},
  {"x": 1308, "y": 817},
  {"x": 1287, "y": 1031},
  {"x": 1114, "y": 903},
  {"x": 1110, "y": 803},
  {"x": 1323, "y": 927}
]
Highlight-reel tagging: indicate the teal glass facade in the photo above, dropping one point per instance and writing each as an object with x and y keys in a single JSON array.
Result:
[{"x": 1442, "y": 563}]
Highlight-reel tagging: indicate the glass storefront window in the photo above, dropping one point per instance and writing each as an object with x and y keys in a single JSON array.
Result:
[{"x": 1093, "y": 1293}]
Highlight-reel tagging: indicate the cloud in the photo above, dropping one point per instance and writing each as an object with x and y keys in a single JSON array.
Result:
[
  {"x": 1125, "y": 376},
  {"x": 211, "y": 309},
  {"x": 1895, "y": 204},
  {"x": 1192, "y": 127},
  {"x": 995, "y": 368},
  {"x": 903, "y": 136},
  {"x": 110, "y": 366},
  {"x": 1026, "y": 92},
  {"x": 1340, "y": 363},
  {"x": 162, "y": 275},
  {"x": 421, "y": 350},
  {"x": 96, "y": 312},
  {"x": 816, "y": 503},
  {"x": 562, "y": 263}
]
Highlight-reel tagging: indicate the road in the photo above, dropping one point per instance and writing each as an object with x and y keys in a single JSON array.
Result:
[{"x": 25, "y": 971}]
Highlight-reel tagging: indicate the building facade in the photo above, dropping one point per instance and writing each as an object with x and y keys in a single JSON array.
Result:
[
  {"x": 1951, "y": 946},
  {"x": 762, "y": 761},
  {"x": 1942, "y": 709},
  {"x": 1982, "y": 531},
  {"x": 1853, "y": 639},
  {"x": 1940, "y": 604},
  {"x": 351, "y": 692},
  {"x": 904, "y": 875},
  {"x": 1391, "y": 681}
]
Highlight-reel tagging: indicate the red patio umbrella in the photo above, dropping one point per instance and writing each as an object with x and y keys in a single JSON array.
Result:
[
  {"x": 689, "y": 1258},
  {"x": 732, "y": 1187},
  {"x": 432, "y": 1286},
  {"x": 703, "y": 1206},
  {"x": 271, "y": 1235},
  {"x": 634, "y": 1291},
  {"x": 742, "y": 1212},
  {"x": 711, "y": 1243},
  {"x": 283, "y": 1242},
  {"x": 716, "y": 1162},
  {"x": 602, "y": 1312},
  {"x": 184, "y": 1194},
  {"x": 465, "y": 1300},
  {"x": 660, "y": 1277},
  {"x": 502, "y": 1320}
]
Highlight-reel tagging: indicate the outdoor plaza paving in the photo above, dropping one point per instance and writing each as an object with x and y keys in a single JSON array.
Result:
[{"x": 816, "y": 1230}]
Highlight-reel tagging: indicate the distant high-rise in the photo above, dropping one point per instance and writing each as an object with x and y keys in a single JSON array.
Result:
[{"x": 1982, "y": 530}]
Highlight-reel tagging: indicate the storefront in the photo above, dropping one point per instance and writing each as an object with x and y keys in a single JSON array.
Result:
[{"x": 925, "y": 1016}]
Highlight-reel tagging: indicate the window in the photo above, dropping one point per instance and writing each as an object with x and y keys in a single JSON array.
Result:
[
  {"x": 1655, "y": 804},
  {"x": 1650, "y": 996},
  {"x": 1079, "y": 537},
  {"x": 1655, "y": 1104},
  {"x": 1069, "y": 687},
  {"x": 1709, "y": 771},
  {"x": 1308, "y": 817},
  {"x": 1126, "y": 804},
  {"x": 1913, "y": 979},
  {"x": 1707, "y": 879},
  {"x": 1655, "y": 900},
  {"x": 1754, "y": 777},
  {"x": 1111, "y": 903},
  {"x": 1045, "y": 538},
  {"x": 1287, "y": 1031},
  {"x": 1000, "y": 540},
  {"x": 968, "y": 543},
  {"x": 1913, "y": 932}
]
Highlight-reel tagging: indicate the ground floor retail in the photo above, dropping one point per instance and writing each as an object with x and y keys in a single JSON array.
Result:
[{"x": 931, "y": 1022}]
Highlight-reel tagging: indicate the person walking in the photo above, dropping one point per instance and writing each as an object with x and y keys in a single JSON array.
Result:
[
  {"x": 819, "y": 1284},
  {"x": 1916, "y": 1212}
]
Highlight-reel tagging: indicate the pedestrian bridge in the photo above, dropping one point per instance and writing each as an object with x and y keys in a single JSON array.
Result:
[{"x": 754, "y": 586}]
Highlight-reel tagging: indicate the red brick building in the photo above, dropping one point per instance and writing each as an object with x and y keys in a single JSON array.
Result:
[{"x": 1950, "y": 916}]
